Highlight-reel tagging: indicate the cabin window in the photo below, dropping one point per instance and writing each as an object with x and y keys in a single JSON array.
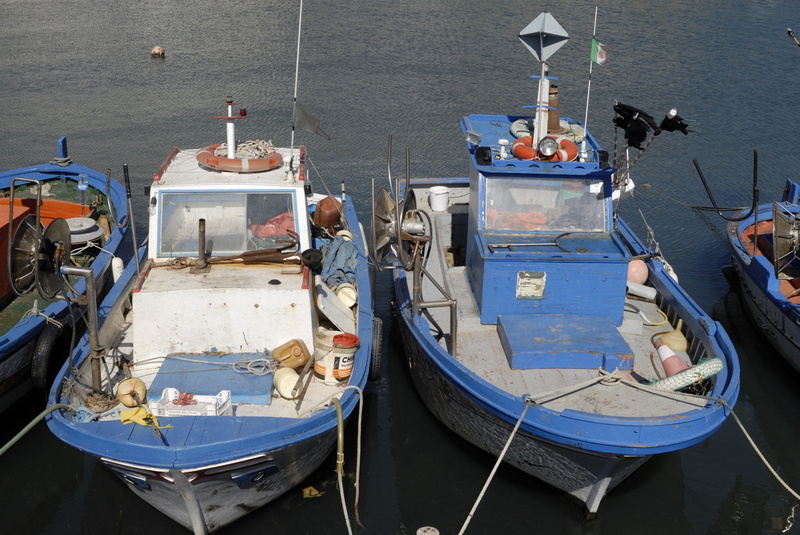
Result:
[
  {"x": 235, "y": 222},
  {"x": 550, "y": 204}
]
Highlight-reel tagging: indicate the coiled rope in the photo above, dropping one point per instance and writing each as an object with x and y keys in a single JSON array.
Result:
[{"x": 248, "y": 150}]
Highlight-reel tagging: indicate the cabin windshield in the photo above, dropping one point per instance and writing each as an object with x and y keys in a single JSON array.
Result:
[
  {"x": 549, "y": 204},
  {"x": 235, "y": 222}
]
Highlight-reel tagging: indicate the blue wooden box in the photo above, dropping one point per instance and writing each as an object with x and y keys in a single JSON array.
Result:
[
  {"x": 206, "y": 378},
  {"x": 533, "y": 341}
]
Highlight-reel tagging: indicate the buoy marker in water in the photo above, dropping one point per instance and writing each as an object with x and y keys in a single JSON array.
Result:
[{"x": 158, "y": 52}]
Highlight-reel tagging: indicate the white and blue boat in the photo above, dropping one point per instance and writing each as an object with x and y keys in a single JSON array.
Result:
[
  {"x": 524, "y": 299},
  {"x": 60, "y": 206},
  {"x": 765, "y": 251},
  {"x": 224, "y": 367}
]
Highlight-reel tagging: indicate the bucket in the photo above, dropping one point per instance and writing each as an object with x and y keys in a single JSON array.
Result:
[
  {"x": 334, "y": 352},
  {"x": 439, "y": 198},
  {"x": 293, "y": 354},
  {"x": 284, "y": 381}
]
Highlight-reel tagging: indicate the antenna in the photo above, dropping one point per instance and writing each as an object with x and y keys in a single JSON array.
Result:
[
  {"x": 583, "y": 154},
  {"x": 296, "y": 76}
]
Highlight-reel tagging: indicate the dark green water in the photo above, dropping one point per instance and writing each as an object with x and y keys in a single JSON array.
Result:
[{"x": 413, "y": 68}]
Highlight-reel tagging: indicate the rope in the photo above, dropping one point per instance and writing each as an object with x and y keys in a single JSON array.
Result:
[
  {"x": 340, "y": 461},
  {"x": 649, "y": 323},
  {"x": 528, "y": 403},
  {"x": 340, "y": 455},
  {"x": 33, "y": 422},
  {"x": 758, "y": 452},
  {"x": 248, "y": 150},
  {"x": 34, "y": 311},
  {"x": 255, "y": 366}
]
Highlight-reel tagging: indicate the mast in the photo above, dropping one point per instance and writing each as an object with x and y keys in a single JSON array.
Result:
[{"x": 583, "y": 155}]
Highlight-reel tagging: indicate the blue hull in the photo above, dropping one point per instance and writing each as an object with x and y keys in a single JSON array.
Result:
[
  {"x": 768, "y": 300},
  {"x": 17, "y": 344}
]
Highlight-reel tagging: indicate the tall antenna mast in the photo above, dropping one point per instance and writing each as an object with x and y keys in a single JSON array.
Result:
[
  {"x": 296, "y": 73},
  {"x": 583, "y": 155}
]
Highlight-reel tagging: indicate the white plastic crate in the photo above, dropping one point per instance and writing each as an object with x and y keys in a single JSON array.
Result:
[{"x": 219, "y": 405}]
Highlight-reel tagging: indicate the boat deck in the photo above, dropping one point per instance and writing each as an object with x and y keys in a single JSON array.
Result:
[{"x": 480, "y": 346}]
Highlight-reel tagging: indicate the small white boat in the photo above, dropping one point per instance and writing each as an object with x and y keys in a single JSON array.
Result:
[{"x": 225, "y": 367}]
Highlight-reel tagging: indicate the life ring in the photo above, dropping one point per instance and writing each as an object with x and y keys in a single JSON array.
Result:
[
  {"x": 524, "y": 150},
  {"x": 206, "y": 158}
]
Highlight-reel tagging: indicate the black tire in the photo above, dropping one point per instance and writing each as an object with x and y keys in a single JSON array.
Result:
[
  {"x": 377, "y": 347},
  {"x": 41, "y": 361}
]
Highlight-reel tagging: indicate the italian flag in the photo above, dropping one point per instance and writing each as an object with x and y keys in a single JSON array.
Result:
[{"x": 598, "y": 52}]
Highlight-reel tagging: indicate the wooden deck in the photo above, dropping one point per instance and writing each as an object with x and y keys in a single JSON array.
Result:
[{"x": 580, "y": 389}]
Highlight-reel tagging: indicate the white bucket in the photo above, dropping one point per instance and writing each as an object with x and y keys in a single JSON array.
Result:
[
  {"x": 333, "y": 361},
  {"x": 439, "y": 198},
  {"x": 284, "y": 381}
]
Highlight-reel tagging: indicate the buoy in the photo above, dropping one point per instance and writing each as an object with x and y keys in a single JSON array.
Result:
[
  {"x": 157, "y": 52},
  {"x": 117, "y": 267},
  {"x": 131, "y": 392},
  {"x": 675, "y": 339},
  {"x": 637, "y": 271},
  {"x": 671, "y": 362},
  {"x": 284, "y": 381}
]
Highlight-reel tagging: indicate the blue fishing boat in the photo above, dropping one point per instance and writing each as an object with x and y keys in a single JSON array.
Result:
[
  {"x": 538, "y": 326},
  {"x": 765, "y": 251},
  {"x": 224, "y": 367},
  {"x": 82, "y": 216}
]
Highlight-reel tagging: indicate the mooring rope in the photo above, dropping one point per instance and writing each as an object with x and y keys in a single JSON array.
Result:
[
  {"x": 528, "y": 403},
  {"x": 33, "y": 422}
]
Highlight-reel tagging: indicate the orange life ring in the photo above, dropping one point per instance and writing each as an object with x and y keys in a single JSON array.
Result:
[
  {"x": 206, "y": 158},
  {"x": 524, "y": 150}
]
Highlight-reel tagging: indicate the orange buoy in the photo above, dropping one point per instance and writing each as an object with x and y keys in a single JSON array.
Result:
[
  {"x": 206, "y": 158},
  {"x": 524, "y": 150},
  {"x": 671, "y": 362},
  {"x": 637, "y": 271}
]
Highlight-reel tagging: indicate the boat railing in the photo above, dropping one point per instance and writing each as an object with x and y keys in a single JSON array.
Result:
[{"x": 418, "y": 303}]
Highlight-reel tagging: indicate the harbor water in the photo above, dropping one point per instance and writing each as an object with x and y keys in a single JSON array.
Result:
[{"x": 412, "y": 69}]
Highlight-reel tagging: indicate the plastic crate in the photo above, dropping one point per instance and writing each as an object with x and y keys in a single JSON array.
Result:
[{"x": 219, "y": 405}]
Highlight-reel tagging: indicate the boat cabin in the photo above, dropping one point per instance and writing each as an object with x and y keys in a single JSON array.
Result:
[
  {"x": 185, "y": 307},
  {"x": 541, "y": 237}
]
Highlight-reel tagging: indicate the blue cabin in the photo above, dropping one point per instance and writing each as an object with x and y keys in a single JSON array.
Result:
[{"x": 541, "y": 234}]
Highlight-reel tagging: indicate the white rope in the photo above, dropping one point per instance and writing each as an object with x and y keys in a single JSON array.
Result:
[
  {"x": 758, "y": 451},
  {"x": 528, "y": 402},
  {"x": 356, "y": 483},
  {"x": 248, "y": 150},
  {"x": 34, "y": 311},
  {"x": 255, "y": 366}
]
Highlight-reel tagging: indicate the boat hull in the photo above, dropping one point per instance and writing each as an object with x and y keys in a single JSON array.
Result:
[
  {"x": 584, "y": 475},
  {"x": 28, "y": 342},
  {"x": 225, "y": 492},
  {"x": 770, "y": 311}
]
